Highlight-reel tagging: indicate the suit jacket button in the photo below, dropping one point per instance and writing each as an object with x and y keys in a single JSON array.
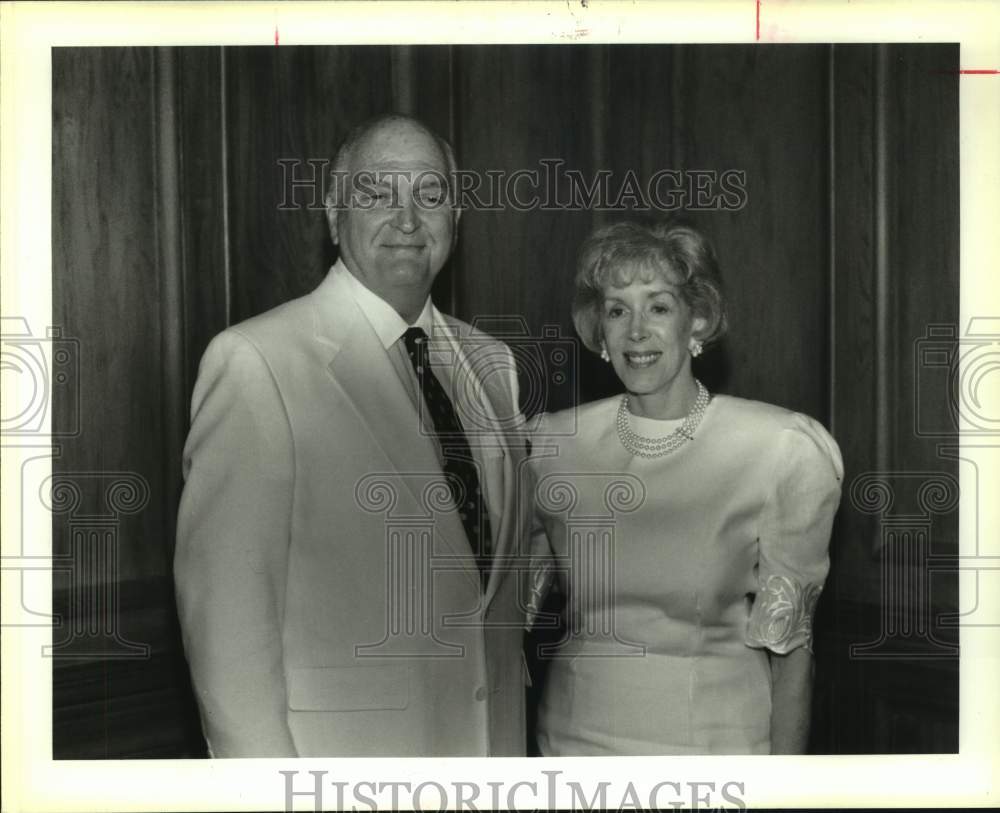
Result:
[{"x": 481, "y": 693}]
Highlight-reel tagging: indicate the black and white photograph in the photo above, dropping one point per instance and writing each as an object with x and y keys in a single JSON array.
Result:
[{"x": 425, "y": 395}]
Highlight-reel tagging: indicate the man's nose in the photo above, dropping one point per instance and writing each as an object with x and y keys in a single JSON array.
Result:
[{"x": 407, "y": 217}]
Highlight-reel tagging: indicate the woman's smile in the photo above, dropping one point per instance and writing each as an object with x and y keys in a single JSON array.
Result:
[{"x": 640, "y": 360}]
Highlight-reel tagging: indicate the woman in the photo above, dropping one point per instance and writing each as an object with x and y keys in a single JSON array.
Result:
[{"x": 689, "y": 531}]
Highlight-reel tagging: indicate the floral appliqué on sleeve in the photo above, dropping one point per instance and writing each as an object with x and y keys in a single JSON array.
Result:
[{"x": 781, "y": 619}]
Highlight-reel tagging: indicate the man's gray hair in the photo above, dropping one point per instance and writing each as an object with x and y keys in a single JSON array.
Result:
[{"x": 357, "y": 134}]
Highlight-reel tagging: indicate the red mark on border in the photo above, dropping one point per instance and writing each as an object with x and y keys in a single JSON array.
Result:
[
  {"x": 758, "y": 20},
  {"x": 972, "y": 72},
  {"x": 276, "y": 35}
]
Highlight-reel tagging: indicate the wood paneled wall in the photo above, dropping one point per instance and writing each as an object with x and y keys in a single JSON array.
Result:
[{"x": 168, "y": 226}]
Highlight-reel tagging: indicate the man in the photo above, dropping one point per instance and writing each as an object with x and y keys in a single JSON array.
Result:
[{"x": 340, "y": 469}]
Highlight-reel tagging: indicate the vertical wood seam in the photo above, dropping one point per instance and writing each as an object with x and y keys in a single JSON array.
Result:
[
  {"x": 677, "y": 142},
  {"x": 453, "y": 136},
  {"x": 401, "y": 79},
  {"x": 832, "y": 240},
  {"x": 169, "y": 254},
  {"x": 881, "y": 260},
  {"x": 599, "y": 83},
  {"x": 452, "y": 289},
  {"x": 224, "y": 169}
]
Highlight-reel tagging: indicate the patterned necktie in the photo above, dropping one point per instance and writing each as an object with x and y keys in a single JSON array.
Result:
[{"x": 459, "y": 465}]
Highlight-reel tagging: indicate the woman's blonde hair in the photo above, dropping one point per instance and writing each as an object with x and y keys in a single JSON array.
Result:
[{"x": 616, "y": 255}]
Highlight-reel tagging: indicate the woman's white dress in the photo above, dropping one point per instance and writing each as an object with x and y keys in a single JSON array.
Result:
[{"x": 679, "y": 571}]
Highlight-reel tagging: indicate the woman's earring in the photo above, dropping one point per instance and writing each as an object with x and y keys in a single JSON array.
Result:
[
  {"x": 695, "y": 347},
  {"x": 604, "y": 353}
]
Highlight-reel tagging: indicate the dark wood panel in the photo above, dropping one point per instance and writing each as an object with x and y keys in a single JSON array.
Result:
[
  {"x": 923, "y": 289},
  {"x": 855, "y": 569},
  {"x": 200, "y": 94},
  {"x": 432, "y": 80},
  {"x": 762, "y": 110},
  {"x": 133, "y": 707},
  {"x": 902, "y": 681},
  {"x": 293, "y": 103},
  {"x": 642, "y": 97},
  {"x": 900, "y": 705},
  {"x": 517, "y": 106},
  {"x": 106, "y": 290},
  {"x": 433, "y": 84},
  {"x": 924, "y": 230}
]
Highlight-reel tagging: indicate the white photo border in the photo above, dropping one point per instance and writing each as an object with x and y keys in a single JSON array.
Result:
[{"x": 32, "y": 781}]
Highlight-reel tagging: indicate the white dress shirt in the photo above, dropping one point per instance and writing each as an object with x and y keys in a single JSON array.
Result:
[{"x": 449, "y": 365}]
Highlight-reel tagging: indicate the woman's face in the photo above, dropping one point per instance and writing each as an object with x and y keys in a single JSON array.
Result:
[{"x": 647, "y": 330}]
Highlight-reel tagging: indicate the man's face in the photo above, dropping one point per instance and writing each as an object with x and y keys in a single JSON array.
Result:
[{"x": 398, "y": 226}]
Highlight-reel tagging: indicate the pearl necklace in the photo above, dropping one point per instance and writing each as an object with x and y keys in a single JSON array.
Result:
[{"x": 641, "y": 446}]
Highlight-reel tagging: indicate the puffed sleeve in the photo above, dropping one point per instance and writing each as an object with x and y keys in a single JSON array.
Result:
[
  {"x": 541, "y": 570},
  {"x": 794, "y": 536}
]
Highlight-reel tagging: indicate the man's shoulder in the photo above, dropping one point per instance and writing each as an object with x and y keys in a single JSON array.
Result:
[
  {"x": 470, "y": 333},
  {"x": 280, "y": 329},
  {"x": 289, "y": 317}
]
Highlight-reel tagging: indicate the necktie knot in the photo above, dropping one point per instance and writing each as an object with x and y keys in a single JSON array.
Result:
[{"x": 414, "y": 338}]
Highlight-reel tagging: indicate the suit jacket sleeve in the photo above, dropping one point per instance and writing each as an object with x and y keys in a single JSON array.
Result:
[
  {"x": 541, "y": 569},
  {"x": 232, "y": 550}
]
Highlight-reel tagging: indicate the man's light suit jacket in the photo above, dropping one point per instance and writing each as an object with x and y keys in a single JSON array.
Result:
[{"x": 329, "y": 600}]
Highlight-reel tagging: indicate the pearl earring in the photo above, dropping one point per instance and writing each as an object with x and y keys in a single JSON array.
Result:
[
  {"x": 695, "y": 347},
  {"x": 604, "y": 353}
]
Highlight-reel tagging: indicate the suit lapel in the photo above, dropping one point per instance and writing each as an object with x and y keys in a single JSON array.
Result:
[
  {"x": 504, "y": 525},
  {"x": 361, "y": 369}
]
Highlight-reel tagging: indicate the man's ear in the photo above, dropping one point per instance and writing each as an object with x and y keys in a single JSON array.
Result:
[{"x": 331, "y": 217}]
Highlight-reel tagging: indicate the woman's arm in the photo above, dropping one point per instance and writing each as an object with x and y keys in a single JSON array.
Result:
[{"x": 791, "y": 696}]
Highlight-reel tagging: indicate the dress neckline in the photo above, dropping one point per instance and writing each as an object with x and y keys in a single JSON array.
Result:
[
  {"x": 661, "y": 427},
  {"x": 653, "y": 427}
]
